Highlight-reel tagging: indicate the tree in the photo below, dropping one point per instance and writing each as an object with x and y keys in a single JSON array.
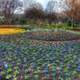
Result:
[
  {"x": 50, "y": 6},
  {"x": 73, "y": 10},
  {"x": 8, "y": 10},
  {"x": 35, "y": 11},
  {"x": 50, "y": 11},
  {"x": 9, "y": 7}
]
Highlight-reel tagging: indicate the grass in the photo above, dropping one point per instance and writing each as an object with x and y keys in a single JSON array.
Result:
[{"x": 52, "y": 26}]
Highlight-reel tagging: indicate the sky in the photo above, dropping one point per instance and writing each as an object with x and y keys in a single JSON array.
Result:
[
  {"x": 58, "y": 6},
  {"x": 43, "y": 2}
]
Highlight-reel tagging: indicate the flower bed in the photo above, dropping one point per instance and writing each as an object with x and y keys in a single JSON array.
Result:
[
  {"x": 9, "y": 31},
  {"x": 52, "y": 36},
  {"x": 77, "y": 30},
  {"x": 23, "y": 59}
]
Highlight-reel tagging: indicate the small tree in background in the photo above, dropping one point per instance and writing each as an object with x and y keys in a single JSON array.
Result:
[
  {"x": 8, "y": 10},
  {"x": 73, "y": 10},
  {"x": 35, "y": 12},
  {"x": 50, "y": 12}
]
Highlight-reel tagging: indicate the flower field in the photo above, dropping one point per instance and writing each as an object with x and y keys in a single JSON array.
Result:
[{"x": 26, "y": 59}]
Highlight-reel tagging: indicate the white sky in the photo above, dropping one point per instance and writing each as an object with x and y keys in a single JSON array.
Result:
[
  {"x": 43, "y": 2},
  {"x": 58, "y": 7}
]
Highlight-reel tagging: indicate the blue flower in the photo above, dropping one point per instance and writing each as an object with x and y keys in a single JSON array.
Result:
[
  {"x": 6, "y": 65},
  {"x": 78, "y": 68},
  {"x": 69, "y": 65}
]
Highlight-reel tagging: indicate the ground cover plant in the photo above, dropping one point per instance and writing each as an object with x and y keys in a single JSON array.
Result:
[{"x": 25, "y": 59}]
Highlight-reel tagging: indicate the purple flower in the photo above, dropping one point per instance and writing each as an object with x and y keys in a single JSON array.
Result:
[
  {"x": 69, "y": 65},
  {"x": 0, "y": 77}
]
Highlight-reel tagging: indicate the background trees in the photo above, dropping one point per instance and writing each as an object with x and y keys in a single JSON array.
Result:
[
  {"x": 35, "y": 12},
  {"x": 73, "y": 10}
]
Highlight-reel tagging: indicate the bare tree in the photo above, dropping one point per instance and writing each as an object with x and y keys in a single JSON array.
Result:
[
  {"x": 50, "y": 6},
  {"x": 50, "y": 12},
  {"x": 73, "y": 10},
  {"x": 10, "y": 6},
  {"x": 8, "y": 10}
]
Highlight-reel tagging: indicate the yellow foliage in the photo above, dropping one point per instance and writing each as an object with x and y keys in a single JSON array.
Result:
[{"x": 8, "y": 31}]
